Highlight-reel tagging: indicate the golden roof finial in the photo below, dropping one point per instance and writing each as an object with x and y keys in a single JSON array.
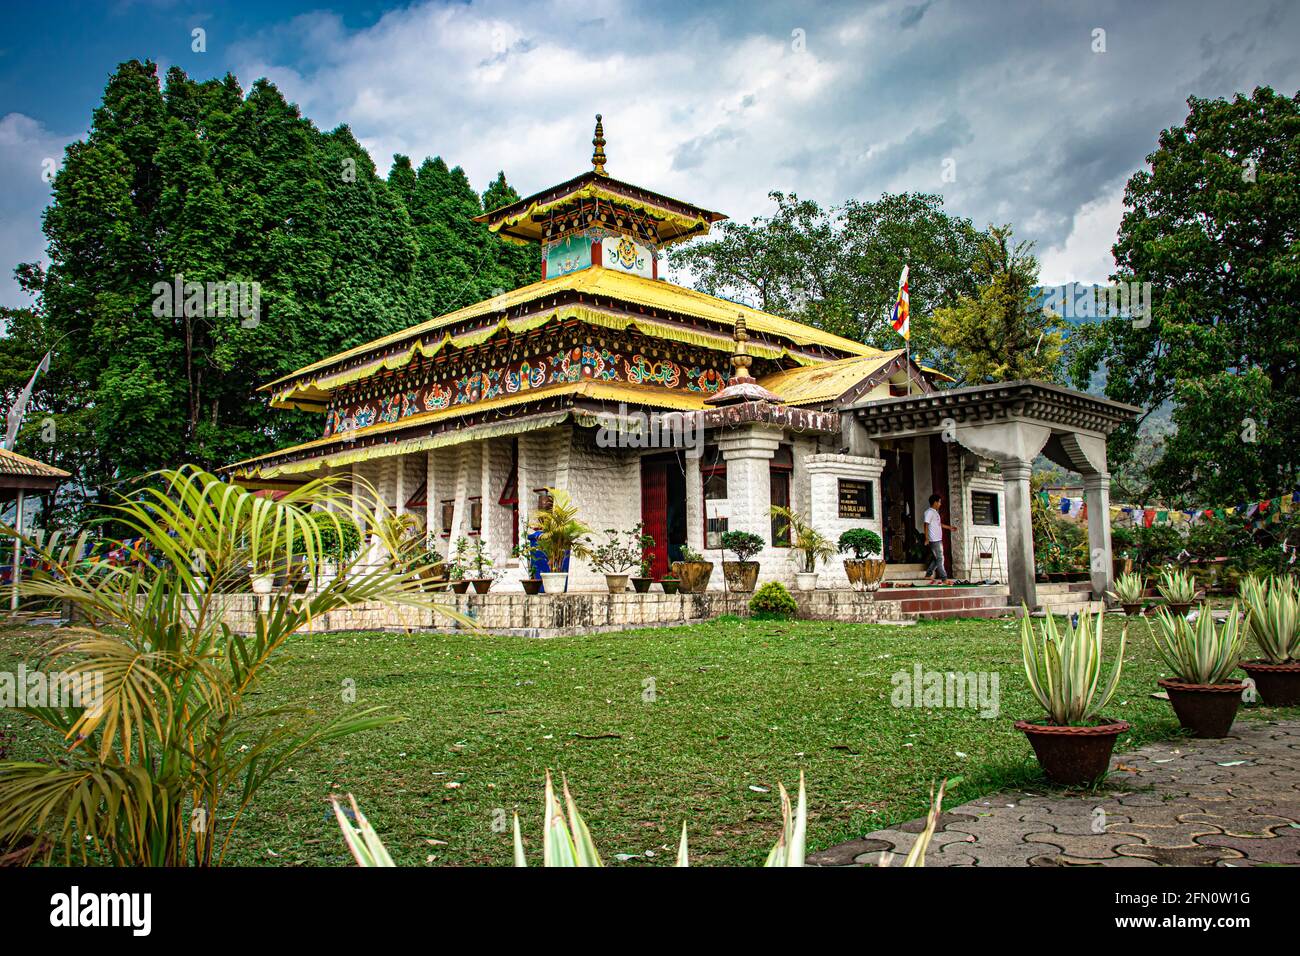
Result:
[
  {"x": 598, "y": 157},
  {"x": 741, "y": 360}
]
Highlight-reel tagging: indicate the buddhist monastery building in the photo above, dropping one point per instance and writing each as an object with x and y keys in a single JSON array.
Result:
[{"x": 649, "y": 402}]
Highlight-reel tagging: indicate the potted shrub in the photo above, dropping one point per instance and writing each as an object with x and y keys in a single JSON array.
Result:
[
  {"x": 1130, "y": 592},
  {"x": 641, "y": 583},
  {"x": 807, "y": 547},
  {"x": 1273, "y": 619},
  {"x": 560, "y": 535},
  {"x": 772, "y": 601},
  {"x": 480, "y": 563},
  {"x": 459, "y": 566},
  {"x": 645, "y": 550},
  {"x": 1064, "y": 671},
  {"x": 670, "y": 585},
  {"x": 615, "y": 559},
  {"x": 1201, "y": 657},
  {"x": 525, "y": 552},
  {"x": 741, "y": 574},
  {"x": 1177, "y": 589},
  {"x": 864, "y": 571},
  {"x": 692, "y": 570}
]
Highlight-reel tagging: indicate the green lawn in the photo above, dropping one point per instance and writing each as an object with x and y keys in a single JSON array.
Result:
[{"x": 739, "y": 706}]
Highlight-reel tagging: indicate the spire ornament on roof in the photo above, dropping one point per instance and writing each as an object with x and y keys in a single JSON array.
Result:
[
  {"x": 598, "y": 156},
  {"x": 743, "y": 387}
]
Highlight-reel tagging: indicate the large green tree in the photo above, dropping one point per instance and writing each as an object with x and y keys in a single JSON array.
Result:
[
  {"x": 205, "y": 181},
  {"x": 1000, "y": 333},
  {"x": 838, "y": 268},
  {"x": 1214, "y": 226}
]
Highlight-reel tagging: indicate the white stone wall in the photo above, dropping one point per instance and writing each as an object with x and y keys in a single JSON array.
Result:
[
  {"x": 606, "y": 486},
  {"x": 968, "y": 473}
]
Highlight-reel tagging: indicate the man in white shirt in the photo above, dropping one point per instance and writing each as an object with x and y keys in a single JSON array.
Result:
[{"x": 934, "y": 529}]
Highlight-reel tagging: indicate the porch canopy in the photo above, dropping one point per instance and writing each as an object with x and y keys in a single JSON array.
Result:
[
  {"x": 21, "y": 477},
  {"x": 1011, "y": 423}
]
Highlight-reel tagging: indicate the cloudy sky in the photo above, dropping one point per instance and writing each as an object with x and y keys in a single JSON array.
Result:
[{"x": 1032, "y": 112}]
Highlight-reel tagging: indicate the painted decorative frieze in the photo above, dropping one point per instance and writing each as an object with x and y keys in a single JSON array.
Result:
[{"x": 574, "y": 364}]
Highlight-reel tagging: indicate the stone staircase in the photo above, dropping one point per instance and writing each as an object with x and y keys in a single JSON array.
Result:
[{"x": 987, "y": 601}]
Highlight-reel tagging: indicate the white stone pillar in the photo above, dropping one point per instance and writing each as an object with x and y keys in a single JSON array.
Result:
[
  {"x": 825, "y": 472},
  {"x": 1020, "y": 534},
  {"x": 748, "y": 452},
  {"x": 18, "y": 552},
  {"x": 694, "y": 505},
  {"x": 486, "y": 500},
  {"x": 1097, "y": 488}
]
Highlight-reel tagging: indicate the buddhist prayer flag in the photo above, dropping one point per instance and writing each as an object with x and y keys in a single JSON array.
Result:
[
  {"x": 901, "y": 307},
  {"x": 19, "y": 407}
]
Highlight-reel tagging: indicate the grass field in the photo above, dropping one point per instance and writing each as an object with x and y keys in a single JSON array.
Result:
[{"x": 738, "y": 706}]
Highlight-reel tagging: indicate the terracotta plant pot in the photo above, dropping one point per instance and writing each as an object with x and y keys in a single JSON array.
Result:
[
  {"x": 1206, "y": 710},
  {"x": 670, "y": 585},
  {"x": 642, "y": 585},
  {"x": 617, "y": 583},
  {"x": 1178, "y": 610},
  {"x": 865, "y": 574},
  {"x": 532, "y": 585},
  {"x": 461, "y": 586},
  {"x": 555, "y": 582},
  {"x": 1133, "y": 610},
  {"x": 694, "y": 575},
  {"x": 481, "y": 585},
  {"x": 1278, "y": 684},
  {"x": 805, "y": 580},
  {"x": 1073, "y": 756},
  {"x": 740, "y": 575}
]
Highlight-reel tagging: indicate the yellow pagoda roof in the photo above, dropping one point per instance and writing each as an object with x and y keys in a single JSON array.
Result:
[
  {"x": 530, "y": 220},
  {"x": 604, "y": 298},
  {"x": 641, "y": 396},
  {"x": 827, "y": 380}
]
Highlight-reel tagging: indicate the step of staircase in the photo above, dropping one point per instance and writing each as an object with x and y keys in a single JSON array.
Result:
[{"x": 905, "y": 572}]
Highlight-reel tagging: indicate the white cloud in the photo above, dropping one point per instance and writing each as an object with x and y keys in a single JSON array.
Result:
[
  {"x": 1085, "y": 255},
  {"x": 27, "y": 151}
]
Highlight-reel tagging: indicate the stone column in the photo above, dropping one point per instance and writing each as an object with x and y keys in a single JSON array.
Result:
[
  {"x": 694, "y": 504},
  {"x": 1020, "y": 534},
  {"x": 748, "y": 452},
  {"x": 1097, "y": 488},
  {"x": 430, "y": 499}
]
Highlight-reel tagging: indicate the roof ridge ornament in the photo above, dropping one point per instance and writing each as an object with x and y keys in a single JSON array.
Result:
[
  {"x": 743, "y": 387},
  {"x": 598, "y": 141}
]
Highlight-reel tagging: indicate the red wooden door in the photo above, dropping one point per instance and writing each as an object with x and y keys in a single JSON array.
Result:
[{"x": 654, "y": 511}]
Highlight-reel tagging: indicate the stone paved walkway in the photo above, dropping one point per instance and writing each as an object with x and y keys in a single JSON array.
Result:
[{"x": 1230, "y": 802}]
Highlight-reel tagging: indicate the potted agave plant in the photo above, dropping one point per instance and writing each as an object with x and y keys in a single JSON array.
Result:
[
  {"x": 741, "y": 574},
  {"x": 692, "y": 571},
  {"x": 1063, "y": 665},
  {"x": 864, "y": 571},
  {"x": 560, "y": 535},
  {"x": 1201, "y": 657},
  {"x": 807, "y": 547},
  {"x": 1273, "y": 619},
  {"x": 1130, "y": 592},
  {"x": 1178, "y": 590}
]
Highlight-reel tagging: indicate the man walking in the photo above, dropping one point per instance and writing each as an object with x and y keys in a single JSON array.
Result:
[{"x": 934, "y": 529}]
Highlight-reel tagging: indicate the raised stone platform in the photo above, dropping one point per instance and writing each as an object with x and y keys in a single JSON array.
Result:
[{"x": 557, "y": 615}]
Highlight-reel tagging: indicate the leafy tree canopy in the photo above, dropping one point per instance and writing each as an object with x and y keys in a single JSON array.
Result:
[{"x": 1212, "y": 225}]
